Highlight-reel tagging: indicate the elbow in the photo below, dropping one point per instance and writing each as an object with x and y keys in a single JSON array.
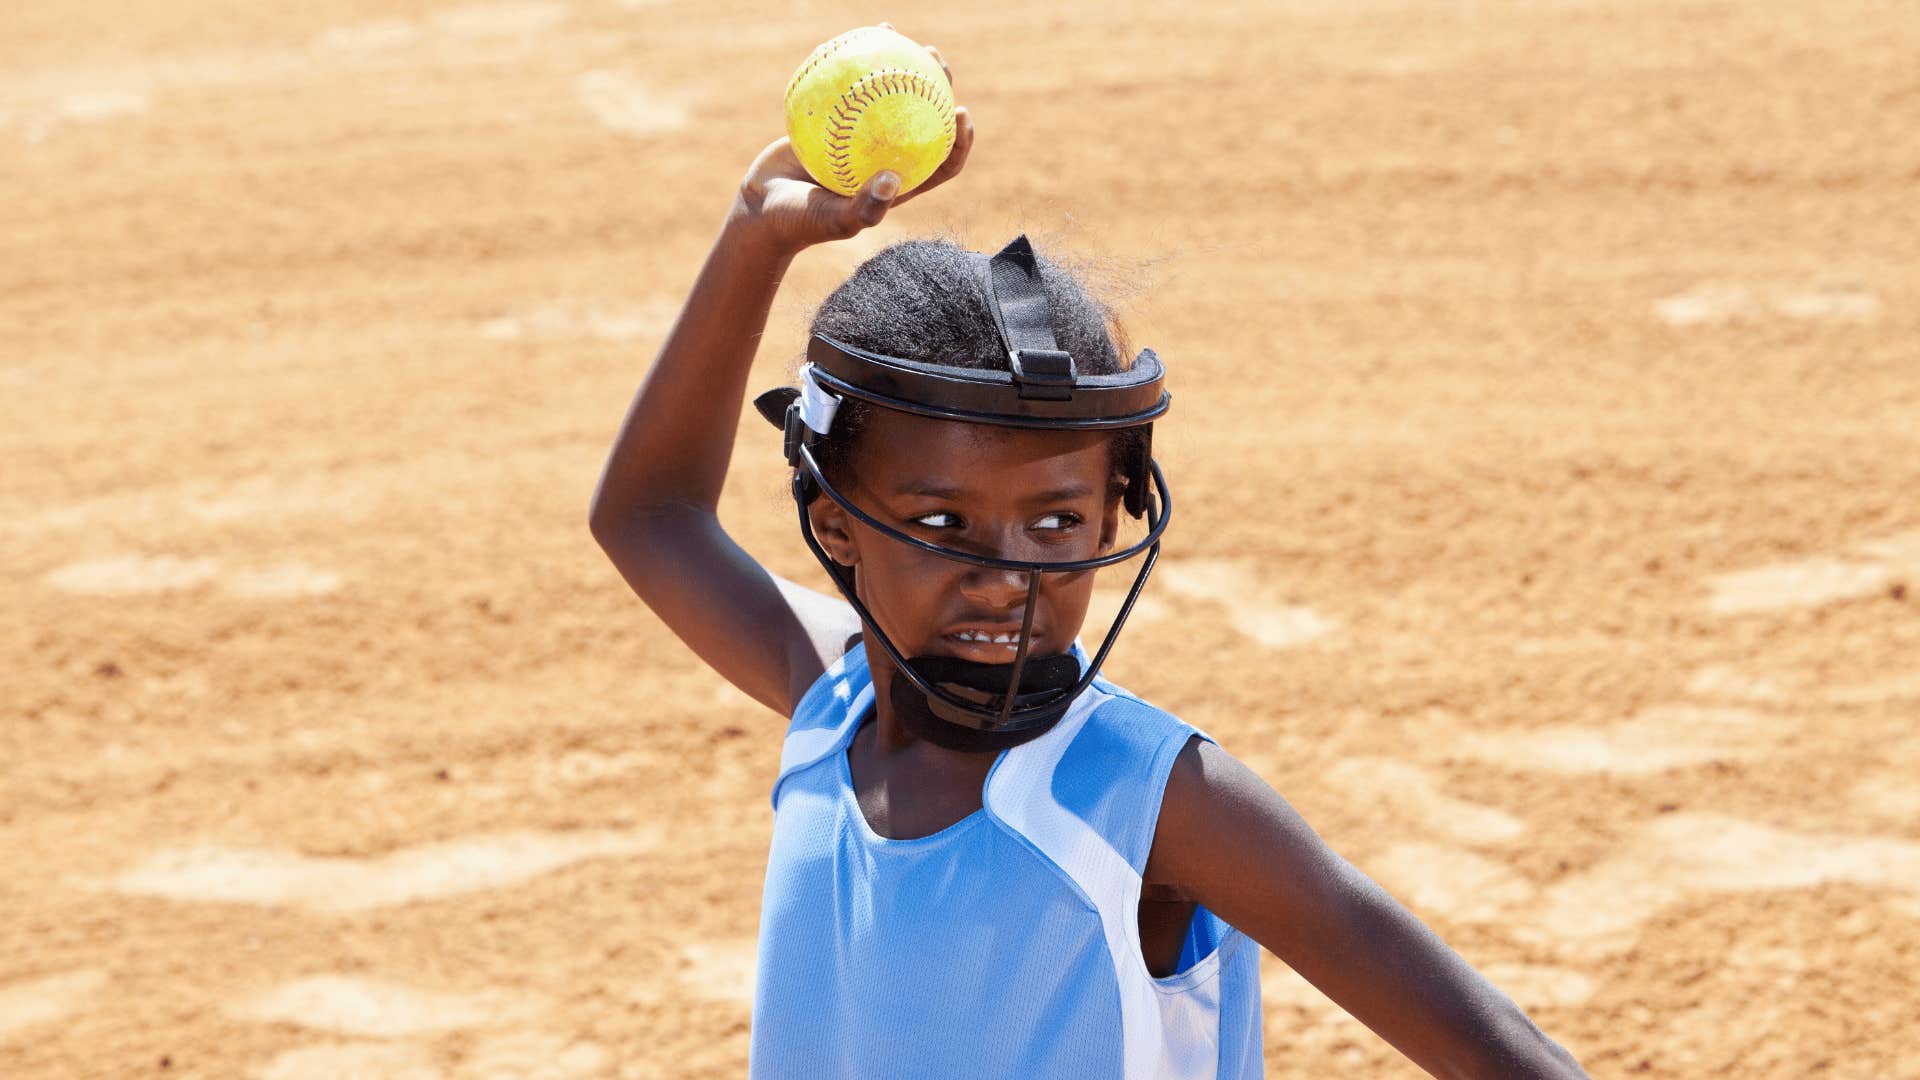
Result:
[
  {"x": 612, "y": 519},
  {"x": 625, "y": 527},
  {"x": 602, "y": 522}
]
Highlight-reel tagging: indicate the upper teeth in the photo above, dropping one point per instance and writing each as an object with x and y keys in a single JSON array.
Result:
[{"x": 980, "y": 635}]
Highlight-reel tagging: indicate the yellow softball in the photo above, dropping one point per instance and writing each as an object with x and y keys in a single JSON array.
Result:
[{"x": 870, "y": 100}]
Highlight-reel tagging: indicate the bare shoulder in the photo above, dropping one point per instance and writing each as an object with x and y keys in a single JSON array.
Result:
[
  {"x": 1216, "y": 815},
  {"x": 1208, "y": 784},
  {"x": 829, "y": 630}
]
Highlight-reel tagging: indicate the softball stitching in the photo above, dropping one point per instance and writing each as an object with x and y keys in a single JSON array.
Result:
[{"x": 861, "y": 96}]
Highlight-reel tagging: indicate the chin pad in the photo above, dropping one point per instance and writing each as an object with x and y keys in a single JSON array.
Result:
[{"x": 1043, "y": 679}]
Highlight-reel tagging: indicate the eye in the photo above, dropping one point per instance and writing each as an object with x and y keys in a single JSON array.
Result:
[
  {"x": 939, "y": 519},
  {"x": 1056, "y": 522}
]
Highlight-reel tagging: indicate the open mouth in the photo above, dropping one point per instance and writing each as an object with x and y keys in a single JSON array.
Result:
[{"x": 987, "y": 646}]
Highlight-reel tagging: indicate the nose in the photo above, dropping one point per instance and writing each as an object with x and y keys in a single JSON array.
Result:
[{"x": 995, "y": 589}]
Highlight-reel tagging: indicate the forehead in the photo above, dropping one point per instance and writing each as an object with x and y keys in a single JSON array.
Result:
[{"x": 901, "y": 451}]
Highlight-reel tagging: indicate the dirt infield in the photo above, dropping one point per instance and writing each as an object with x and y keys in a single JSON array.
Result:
[{"x": 1546, "y": 435}]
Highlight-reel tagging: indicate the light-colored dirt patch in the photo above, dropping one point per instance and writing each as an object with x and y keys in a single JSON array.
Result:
[
  {"x": 1682, "y": 855},
  {"x": 353, "y": 1005},
  {"x": 1844, "y": 304},
  {"x": 1804, "y": 584},
  {"x": 534, "y": 1055},
  {"x": 1711, "y": 302},
  {"x": 128, "y": 575},
  {"x": 480, "y": 22},
  {"x": 277, "y": 496},
  {"x": 354, "y": 1061},
  {"x": 499, "y": 20},
  {"x": 1896, "y": 797},
  {"x": 1541, "y": 986},
  {"x": 1869, "y": 567},
  {"x": 331, "y": 884},
  {"x": 1702, "y": 304},
  {"x": 1728, "y": 683},
  {"x": 582, "y": 768},
  {"x": 718, "y": 970},
  {"x": 561, "y": 320},
  {"x": 1902, "y": 550},
  {"x": 376, "y": 35},
  {"x": 289, "y": 579},
  {"x": 1278, "y": 627},
  {"x": 1437, "y": 880},
  {"x": 1251, "y": 607},
  {"x": 622, "y": 102},
  {"x": 37, "y": 1001},
  {"x": 1412, "y": 794},
  {"x": 133, "y": 574},
  {"x": 1899, "y": 688},
  {"x": 1657, "y": 738},
  {"x": 1105, "y": 604},
  {"x": 36, "y": 121},
  {"x": 86, "y": 108},
  {"x": 340, "y": 495}
]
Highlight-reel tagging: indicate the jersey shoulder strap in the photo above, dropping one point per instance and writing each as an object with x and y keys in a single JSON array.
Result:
[{"x": 1087, "y": 793}]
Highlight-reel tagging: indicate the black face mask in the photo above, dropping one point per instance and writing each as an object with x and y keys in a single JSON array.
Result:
[
  {"x": 954, "y": 703},
  {"x": 1042, "y": 695}
]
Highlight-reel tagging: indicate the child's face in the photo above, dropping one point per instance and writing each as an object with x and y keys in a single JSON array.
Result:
[{"x": 1002, "y": 492}]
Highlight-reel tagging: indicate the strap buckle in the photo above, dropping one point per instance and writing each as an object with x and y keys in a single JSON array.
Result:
[
  {"x": 795, "y": 434},
  {"x": 1042, "y": 374}
]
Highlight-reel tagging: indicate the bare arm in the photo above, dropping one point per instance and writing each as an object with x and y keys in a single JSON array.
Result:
[
  {"x": 654, "y": 512},
  {"x": 1231, "y": 842}
]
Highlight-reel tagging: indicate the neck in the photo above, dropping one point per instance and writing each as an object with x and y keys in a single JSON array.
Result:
[{"x": 891, "y": 736}]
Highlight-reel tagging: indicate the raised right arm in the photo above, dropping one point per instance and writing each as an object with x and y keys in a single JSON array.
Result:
[{"x": 654, "y": 512}]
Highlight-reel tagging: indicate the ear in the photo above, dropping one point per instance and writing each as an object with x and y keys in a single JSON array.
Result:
[
  {"x": 833, "y": 527},
  {"x": 1110, "y": 513}
]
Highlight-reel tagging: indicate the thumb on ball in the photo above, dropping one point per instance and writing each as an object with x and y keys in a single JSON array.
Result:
[{"x": 878, "y": 196}]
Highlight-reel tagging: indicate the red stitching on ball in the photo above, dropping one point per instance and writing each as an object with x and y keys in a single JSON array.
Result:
[{"x": 845, "y": 118}]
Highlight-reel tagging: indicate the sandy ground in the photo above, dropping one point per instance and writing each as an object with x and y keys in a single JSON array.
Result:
[{"x": 1547, "y": 438}]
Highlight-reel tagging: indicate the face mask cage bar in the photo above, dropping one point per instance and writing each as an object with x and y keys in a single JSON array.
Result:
[{"x": 1011, "y": 717}]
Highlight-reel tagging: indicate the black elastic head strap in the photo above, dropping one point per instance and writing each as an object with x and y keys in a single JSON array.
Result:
[
  {"x": 1041, "y": 369},
  {"x": 1124, "y": 399}
]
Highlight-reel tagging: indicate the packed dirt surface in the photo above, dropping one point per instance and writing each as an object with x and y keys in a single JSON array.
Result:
[{"x": 1546, "y": 444}]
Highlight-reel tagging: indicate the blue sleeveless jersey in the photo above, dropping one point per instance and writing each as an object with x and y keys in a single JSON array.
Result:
[{"x": 1005, "y": 945}]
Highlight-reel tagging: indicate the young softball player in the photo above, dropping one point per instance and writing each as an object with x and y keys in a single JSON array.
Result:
[{"x": 987, "y": 861}]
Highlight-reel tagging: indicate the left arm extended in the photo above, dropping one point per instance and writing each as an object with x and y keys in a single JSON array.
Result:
[{"x": 1227, "y": 839}]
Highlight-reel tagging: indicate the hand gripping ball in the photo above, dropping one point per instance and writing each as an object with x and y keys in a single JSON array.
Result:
[{"x": 870, "y": 100}]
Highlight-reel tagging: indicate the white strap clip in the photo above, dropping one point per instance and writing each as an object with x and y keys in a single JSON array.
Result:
[{"x": 816, "y": 405}]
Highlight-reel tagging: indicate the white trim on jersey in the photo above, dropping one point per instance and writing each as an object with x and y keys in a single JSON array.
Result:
[{"x": 1171, "y": 1035}]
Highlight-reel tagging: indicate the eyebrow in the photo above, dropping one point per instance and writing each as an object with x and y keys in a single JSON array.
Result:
[
  {"x": 929, "y": 488},
  {"x": 935, "y": 490}
]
